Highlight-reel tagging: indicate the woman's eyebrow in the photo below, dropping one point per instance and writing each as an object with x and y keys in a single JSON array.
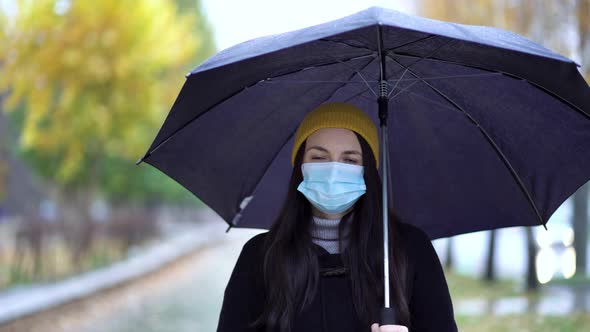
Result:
[
  {"x": 317, "y": 147},
  {"x": 352, "y": 152}
]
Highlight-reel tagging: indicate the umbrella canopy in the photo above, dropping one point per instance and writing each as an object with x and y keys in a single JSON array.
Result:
[{"x": 487, "y": 129}]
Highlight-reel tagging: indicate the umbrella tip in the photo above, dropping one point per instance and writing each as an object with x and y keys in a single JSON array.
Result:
[{"x": 143, "y": 158}]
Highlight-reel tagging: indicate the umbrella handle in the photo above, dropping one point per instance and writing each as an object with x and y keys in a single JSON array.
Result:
[{"x": 387, "y": 316}]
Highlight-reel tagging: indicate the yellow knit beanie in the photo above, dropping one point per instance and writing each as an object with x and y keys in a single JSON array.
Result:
[{"x": 337, "y": 115}]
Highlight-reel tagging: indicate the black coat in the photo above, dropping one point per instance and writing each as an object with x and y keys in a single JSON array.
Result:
[{"x": 332, "y": 309}]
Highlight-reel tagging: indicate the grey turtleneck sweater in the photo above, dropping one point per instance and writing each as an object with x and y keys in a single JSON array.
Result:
[{"x": 324, "y": 232}]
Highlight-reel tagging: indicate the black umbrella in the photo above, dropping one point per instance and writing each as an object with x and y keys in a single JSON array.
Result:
[{"x": 484, "y": 128}]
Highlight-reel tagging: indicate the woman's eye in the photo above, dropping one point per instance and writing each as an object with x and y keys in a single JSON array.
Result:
[
  {"x": 317, "y": 158},
  {"x": 352, "y": 161}
]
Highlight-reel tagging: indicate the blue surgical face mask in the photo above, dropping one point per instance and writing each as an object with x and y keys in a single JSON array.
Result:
[{"x": 332, "y": 187}]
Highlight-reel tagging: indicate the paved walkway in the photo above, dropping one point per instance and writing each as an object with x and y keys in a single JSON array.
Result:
[
  {"x": 25, "y": 300},
  {"x": 193, "y": 303},
  {"x": 190, "y": 303},
  {"x": 188, "y": 297}
]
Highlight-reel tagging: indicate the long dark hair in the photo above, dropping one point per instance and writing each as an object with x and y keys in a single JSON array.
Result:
[{"x": 291, "y": 268}]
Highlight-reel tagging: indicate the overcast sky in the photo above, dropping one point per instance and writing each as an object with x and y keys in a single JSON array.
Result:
[{"x": 235, "y": 21}]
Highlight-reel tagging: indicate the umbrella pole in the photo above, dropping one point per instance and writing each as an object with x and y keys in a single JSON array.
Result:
[{"x": 387, "y": 312}]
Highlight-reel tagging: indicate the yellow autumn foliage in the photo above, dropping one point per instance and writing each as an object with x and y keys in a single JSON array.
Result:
[
  {"x": 549, "y": 22},
  {"x": 95, "y": 78}
]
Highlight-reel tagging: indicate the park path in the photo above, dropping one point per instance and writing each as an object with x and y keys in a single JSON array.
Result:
[
  {"x": 187, "y": 296},
  {"x": 192, "y": 301}
]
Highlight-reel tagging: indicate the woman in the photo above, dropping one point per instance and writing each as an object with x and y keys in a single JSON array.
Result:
[{"x": 320, "y": 267}]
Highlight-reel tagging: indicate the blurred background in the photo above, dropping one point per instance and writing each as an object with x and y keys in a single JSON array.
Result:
[{"x": 91, "y": 242}]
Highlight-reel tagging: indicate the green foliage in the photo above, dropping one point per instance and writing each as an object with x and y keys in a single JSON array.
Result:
[
  {"x": 123, "y": 181},
  {"x": 462, "y": 286},
  {"x": 202, "y": 29},
  {"x": 91, "y": 83}
]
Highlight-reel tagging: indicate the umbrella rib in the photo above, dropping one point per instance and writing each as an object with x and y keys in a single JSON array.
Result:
[
  {"x": 432, "y": 78},
  {"x": 418, "y": 60},
  {"x": 414, "y": 41},
  {"x": 403, "y": 90},
  {"x": 316, "y": 66},
  {"x": 434, "y": 102},
  {"x": 490, "y": 140},
  {"x": 494, "y": 71},
  {"x": 418, "y": 79},
  {"x": 343, "y": 63},
  {"x": 232, "y": 95},
  {"x": 392, "y": 51},
  {"x": 360, "y": 74},
  {"x": 369, "y": 49},
  {"x": 360, "y": 93},
  {"x": 398, "y": 81},
  {"x": 290, "y": 136},
  {"x": 273, "y": 81}
]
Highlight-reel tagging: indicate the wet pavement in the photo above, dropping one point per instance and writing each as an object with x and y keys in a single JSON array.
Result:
[
  {"x": 553, "y": 301},
  {"x": 189, "y": 302}
]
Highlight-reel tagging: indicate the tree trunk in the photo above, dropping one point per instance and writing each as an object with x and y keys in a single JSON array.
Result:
[
  {"x": 532, "y": 283},
  {"x": 580, "y": 223},
  {"x": 583, "y": 16},
  {"x": 490, "y": 273},
  {"x": 77, "y": 226},
  {"x": 449, "y": 263}
]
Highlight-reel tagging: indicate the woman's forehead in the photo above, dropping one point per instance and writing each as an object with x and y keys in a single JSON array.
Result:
[{"x": 334, "y": 137}]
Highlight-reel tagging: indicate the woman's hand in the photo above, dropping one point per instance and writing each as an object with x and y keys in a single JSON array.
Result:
[{"x": 388, "y": 328}]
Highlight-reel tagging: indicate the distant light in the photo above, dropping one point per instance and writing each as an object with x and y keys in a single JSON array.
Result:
[
  {"x": 546, "y": 265},
  {"x": 62, "y": 6},
  {"x": 544, "y": 239},
  {"x": 9, "y": 8},
  {"x": 568, "y": 263},
  {"x": 568, "y": 237},
  {"x": 246, "y": 21}
]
